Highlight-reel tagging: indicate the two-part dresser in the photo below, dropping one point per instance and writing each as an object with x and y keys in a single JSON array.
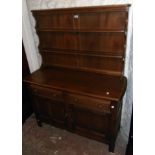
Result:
[{"x": 80, "y": 84}]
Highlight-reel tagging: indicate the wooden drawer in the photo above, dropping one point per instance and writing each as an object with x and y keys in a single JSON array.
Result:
[
  {"x": 46, "y": 92},
  {"x": 89, "y": 103}
]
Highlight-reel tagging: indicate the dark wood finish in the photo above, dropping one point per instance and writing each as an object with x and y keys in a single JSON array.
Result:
[
  {"x": 80, "y": 85},
  {"x": 89, "y": 84},
  {"x": 85, "y": 40}
]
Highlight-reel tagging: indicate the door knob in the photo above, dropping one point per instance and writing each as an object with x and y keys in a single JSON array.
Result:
[{"x": 112, "y": 107}]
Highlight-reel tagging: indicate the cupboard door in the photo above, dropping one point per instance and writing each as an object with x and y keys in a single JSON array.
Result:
[
  {"x": 42, "y": 106},
  {"x": 50, "y": 110},
  {"x": 58, "y": 113},
  {"x": 90, "y": 123}
]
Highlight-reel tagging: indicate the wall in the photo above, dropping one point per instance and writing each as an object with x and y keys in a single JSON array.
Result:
[{"x": 45, "y": 4}]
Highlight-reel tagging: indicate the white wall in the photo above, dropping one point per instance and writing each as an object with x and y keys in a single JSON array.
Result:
[
  {"x": 34, "y": 58},
  {"x": 28, "y": 39}
]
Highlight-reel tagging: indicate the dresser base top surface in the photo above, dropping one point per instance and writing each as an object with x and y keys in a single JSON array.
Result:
[{"x": 95, "y": 85}]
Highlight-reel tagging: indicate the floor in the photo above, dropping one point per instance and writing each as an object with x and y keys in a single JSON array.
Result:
[{"x": 48, "y": 140}]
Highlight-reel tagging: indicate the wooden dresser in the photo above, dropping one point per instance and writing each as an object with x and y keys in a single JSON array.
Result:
[{"x": 80, "y": 84}]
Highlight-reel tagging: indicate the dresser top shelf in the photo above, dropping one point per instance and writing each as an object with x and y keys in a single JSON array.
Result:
[{"x": 79, "y": 82}]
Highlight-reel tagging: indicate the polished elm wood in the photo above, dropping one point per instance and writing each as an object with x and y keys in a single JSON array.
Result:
[
  {"x": 77, "y": 31},
  {"x": 100, "y": 21},
  {"x": 80, "y": 84},
  {"x": 84, "y": 62},
  {"x": 103, "y": 42},
  {"x": 94, "y": 85},
  {"x": 109, "y": 17}
]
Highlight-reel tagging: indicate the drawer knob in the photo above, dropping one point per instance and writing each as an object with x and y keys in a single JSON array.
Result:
[
  {"x": 107, "y": 93},
  {"x": 112, "y": 107},
  {"x": 76, "y": 16}
]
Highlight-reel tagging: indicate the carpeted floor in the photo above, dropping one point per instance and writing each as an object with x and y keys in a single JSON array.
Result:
[{"x": 48, "y": 140}]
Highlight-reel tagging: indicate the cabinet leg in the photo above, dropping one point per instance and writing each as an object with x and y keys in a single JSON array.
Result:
[
  {"x": 39, "y": 123},
  {"x": 112, "y": 146}
]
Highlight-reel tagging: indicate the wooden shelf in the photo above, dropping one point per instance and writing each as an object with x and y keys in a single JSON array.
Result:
[
  {"x": 84, "y": 9},
  {"x": 81, "y": 30},
  {"x": 81, "y": 77},
  {"x": 84, "y": 53},
  {"x": 86, "y": 69}
]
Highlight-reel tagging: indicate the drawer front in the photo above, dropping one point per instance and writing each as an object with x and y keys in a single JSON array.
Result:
[
  {"x": 92, "y": 122},
  {"x": 49, "y": 93},
  {"x": 89, "y": 103}
]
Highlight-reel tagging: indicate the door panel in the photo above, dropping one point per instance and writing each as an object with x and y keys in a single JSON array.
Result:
[
  {"x": 58, "y": 111},
  {"x": 42, "y": 106},
  {"x": 91, "y": 121},
  {"x": 50, "y": 109}
]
